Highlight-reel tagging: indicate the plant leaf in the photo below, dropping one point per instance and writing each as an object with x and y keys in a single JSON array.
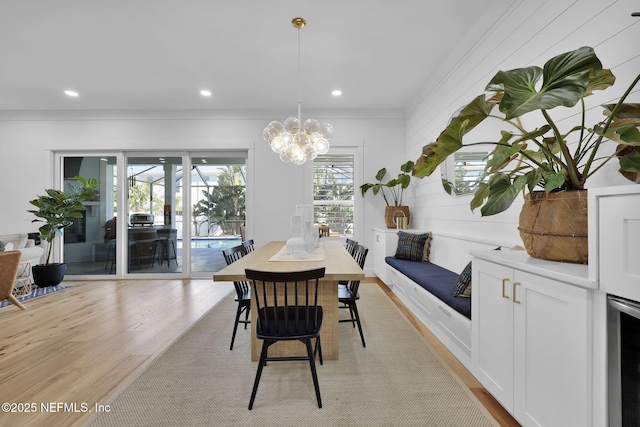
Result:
[
  {"x": 448, "y": 187},
  {"x": 627, "y": 133},
  {"x": 364, "y": 188},
  {"x": 381, "y": 173},
  {"x": 391, "y": 183},
  {"x": 565, "y": 79},
  {"x": 533, "y": 178},
  {"x": 479, "y": 196},
  {"x": 450, "y": 140},
  {"x": 553, "y": 180},
  {"x": 630, "y": 162},
  {"x": 599, "y": 80},
  {"x": 626, "y": 111},
  {"x": 403, "y": 180},
  {"x": 407, "y": 167},
  {"x": 502, "y": 193},
  {"x": 502, "y": 155},
  {"x": 624, "y": 131}
]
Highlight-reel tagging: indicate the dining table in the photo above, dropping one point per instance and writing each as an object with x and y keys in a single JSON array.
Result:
[{"x": 273, "y": 256}]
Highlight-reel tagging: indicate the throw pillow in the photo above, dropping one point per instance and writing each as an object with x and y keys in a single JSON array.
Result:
[
  {"x": 427, "y": 248},
  {"x": 463, "y": 283},
  {"x": 427, "y": 245},
  {"x": 411, "y": 246},
  {"x": 467, "y": 292}
]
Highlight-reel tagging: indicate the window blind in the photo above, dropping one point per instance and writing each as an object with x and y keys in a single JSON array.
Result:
[
  {"x": 469, "y": 168},
  {"x": 333, "y": 192}
]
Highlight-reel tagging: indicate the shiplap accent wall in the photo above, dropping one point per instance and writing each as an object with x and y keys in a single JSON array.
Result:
[{"x": 527, "y": 33}]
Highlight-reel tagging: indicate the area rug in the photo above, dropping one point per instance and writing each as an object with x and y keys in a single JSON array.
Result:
[
  {"x": 397, "y": 380},
  {"x": 36, "y": 292}
]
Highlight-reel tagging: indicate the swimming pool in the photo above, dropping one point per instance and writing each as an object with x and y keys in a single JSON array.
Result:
[{"x": 213, "y": 242}]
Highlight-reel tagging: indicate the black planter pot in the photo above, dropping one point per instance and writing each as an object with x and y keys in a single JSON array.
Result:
[{"x": 48, "y": 274}]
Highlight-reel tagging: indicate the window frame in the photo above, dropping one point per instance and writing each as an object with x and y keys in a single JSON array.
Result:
[{"x": 354, "y": 148}]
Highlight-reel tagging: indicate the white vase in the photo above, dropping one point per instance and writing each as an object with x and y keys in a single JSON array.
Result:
[
  {"x": 296, "y": 245},
  {"x": 306, "y": 213}
]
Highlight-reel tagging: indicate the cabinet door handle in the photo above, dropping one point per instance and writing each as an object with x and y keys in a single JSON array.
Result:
[
  {"x": 504, "y": 281},
  {"x": 515, "y": 301}
]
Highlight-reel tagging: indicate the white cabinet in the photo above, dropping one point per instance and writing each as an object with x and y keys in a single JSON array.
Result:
[
  {"x": 618, "y": 231},
  {"x": 385, "y": 242},
  {"x": 532, "y": 344}
]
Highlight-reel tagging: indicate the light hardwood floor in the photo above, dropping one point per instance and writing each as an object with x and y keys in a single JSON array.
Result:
[{"x": 83, "y": 345}]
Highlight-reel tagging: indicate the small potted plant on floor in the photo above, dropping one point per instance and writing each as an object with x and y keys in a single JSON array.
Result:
[
  {"x": 56, "y": 210},
  {"x": 396, "y": 187},
  {"x": 557, "y": 159}
]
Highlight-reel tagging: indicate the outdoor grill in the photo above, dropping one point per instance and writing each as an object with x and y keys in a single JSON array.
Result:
[{"x": 141, "y": 219}]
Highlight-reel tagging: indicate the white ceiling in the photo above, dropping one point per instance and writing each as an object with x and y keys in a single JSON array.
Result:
[{"x": 158, "y": 54}]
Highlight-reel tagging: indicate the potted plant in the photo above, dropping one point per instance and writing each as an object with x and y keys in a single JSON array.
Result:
[
  {"x": 396, "y": 187},
  {"x": 56, "y": 210},
  {"x": 557, "y": 161}
]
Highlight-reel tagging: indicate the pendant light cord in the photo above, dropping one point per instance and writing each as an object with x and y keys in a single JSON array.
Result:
[{"x": 299, "y": 83}]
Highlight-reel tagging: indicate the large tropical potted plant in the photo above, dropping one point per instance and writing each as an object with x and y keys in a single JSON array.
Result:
[
  {"x": 395, "y": 187},
  {"x": 557, "y": 162},
  {"x": 57, "y": 210}
]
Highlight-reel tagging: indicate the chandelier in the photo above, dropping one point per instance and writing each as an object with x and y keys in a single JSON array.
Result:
[{"x": 294, "y": 141}]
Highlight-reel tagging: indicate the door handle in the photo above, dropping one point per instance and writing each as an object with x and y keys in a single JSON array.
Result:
[
  {"x": 628, "y": 307},
  {"x": 515, "y": 301},
  {"x": 504, "y": 295}
]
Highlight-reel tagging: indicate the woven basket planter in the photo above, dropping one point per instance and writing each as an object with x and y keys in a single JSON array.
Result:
[
  {"x": 391, "y": 212},
  {"x": 554, "y": 226}
]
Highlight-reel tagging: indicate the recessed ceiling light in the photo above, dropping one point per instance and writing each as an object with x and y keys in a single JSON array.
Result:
[
  {"x": 336, "y": 92},
  {"x": 205, "y": 92},
  {"x": 72, "y": 93}
]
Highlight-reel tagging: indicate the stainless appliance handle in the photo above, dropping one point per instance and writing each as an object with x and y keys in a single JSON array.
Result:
[{"x": 627, "y": 307}]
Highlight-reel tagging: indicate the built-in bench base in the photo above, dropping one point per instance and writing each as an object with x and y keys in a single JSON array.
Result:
[{"x": 451, "y": 327}]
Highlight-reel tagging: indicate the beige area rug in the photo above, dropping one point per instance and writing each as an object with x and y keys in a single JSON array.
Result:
[{"x": 395, "y": 381}]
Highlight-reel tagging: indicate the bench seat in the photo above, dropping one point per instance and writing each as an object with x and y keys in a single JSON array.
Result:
[
  {"x": 437, "y": 280},
  {"x": 427, "y": 291}
]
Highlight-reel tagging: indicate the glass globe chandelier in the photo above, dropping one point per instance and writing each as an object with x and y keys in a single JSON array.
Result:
[{"x": 295, "y": 141}]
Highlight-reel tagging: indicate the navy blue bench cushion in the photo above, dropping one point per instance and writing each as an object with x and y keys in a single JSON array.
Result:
[{"x": 437, "y": 280}]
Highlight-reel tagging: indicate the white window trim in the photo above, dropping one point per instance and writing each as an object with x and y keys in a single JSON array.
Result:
[{"x": 354, "y": 147}]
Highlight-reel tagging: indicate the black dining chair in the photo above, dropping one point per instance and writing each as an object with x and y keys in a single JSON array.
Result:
[
  {"x": 287, "y": 309},
  {"x": 350, "y": 244},
  {"x": 348, "y": 294},
  {"x": 248, "y": 246},
  {"x": 243, "y": 293}
]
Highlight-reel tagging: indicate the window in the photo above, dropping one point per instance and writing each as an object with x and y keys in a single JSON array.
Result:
[{"x": 333, "y": 192}]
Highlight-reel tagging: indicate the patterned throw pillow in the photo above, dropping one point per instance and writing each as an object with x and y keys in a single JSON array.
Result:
[
  {"x": 411, "y": 246},
  {"x": 464, "y": 283},
  {"x": 427, "y": 248}
]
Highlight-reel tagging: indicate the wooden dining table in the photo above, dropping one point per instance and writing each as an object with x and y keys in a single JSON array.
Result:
[{"x": 339, "y": 265}]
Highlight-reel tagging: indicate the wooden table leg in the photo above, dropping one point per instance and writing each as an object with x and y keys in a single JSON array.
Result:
[{"x": 328, "y": 299}]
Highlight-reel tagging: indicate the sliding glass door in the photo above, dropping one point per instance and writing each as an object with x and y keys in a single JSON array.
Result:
[
  {"x": 154, "y": 196},
  {"x": 85, "y": 243},
  {"x": 143, "y": 222},
  {"x": 218, "y": 188}
]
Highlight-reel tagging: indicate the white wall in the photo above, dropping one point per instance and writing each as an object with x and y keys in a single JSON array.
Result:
[
  {"x": 27, "y": 141},
  {"x": 529, "y": 33}
]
